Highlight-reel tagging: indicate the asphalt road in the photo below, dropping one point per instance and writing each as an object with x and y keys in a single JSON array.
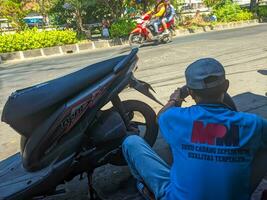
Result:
[{"x": 242, "y": 51}]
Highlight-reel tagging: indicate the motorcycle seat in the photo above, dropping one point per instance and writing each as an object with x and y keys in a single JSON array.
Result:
[{"x": 27, "y": 108}]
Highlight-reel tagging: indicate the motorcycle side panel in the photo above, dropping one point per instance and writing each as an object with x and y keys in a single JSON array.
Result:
[
  {"x": 16, "y": 183},
  {"x": 67, "y": 127},
  {"x": 137, "y": 30},
  {"x": 109, "y": 129}
]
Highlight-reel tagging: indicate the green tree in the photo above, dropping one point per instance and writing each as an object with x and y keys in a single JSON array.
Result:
[
  {"x": 211, "y": 3},
  {"x": 115, "y": 7},
  {"x": 14, "y": 11},
  {"x": 40, "y": 6},
  {"x": 79, "y": 8},
  {"x": 44, "y": 8},
  {"x": 143, "y": 5},
  {"x": 253, "y": 5},
  {"x": 60, "y": 15}
]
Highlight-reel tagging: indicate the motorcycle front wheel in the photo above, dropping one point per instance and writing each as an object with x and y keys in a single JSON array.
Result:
[
  {"x": 142, "y": 118},
  {"x": 167, "y": 38},
  {"x": 136, "y": 39}
]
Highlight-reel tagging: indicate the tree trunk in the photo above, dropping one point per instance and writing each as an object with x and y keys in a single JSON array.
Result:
[
  {"x": 118, "y": 9},
  {"x": 253, "y": 4},
  {"x": 79, "y": 22}
]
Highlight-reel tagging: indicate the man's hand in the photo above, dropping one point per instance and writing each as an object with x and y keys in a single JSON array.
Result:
[
  {"x": 175, "y": 100},
  {"x": 176, "y": 95}
]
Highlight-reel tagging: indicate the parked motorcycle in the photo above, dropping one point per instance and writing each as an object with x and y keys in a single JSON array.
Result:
[
  {"x": 65, "y": 131},
  {"x": 144, "y": 26}
]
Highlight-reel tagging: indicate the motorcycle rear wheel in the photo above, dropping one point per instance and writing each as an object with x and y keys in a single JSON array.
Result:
[{"x": 151, "y": 129}]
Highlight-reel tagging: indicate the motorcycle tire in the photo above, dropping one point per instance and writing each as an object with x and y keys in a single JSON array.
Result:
[
  {"x": 150, "y": 117},
  {"x": 167, "y": 39},
  {"x": 132, "y": 41},
  {"x": 149, "y": 114}
]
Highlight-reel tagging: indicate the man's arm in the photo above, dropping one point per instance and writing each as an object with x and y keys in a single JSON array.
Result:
[
  {"x": 164, "y": 117},
  {"x": 175, "y": 101},
  {"x": 161, "y": 12}
]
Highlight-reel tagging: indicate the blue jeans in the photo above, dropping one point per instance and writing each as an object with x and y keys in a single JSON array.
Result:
[
  {"x": 146, "y": 166},
  {"x": 156, "y": 24}
]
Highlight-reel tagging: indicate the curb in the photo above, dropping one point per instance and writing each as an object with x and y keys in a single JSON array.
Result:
[
  {"x": 217, "y": 27},
  {"x": 76, "y": 48}
]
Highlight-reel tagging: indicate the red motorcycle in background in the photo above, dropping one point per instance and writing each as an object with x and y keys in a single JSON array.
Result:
[{"x": 144, "y": 26}]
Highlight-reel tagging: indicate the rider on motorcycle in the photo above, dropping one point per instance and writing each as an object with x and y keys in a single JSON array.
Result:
[
  {"x": 158, "y": 13},
  {"x": 169, "y": 15}
]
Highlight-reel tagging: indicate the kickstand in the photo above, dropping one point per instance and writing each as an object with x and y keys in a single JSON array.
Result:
[{"x": 92, "y": 193}]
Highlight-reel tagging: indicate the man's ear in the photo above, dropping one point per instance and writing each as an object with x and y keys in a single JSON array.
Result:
[{"x": 226, "y": 85}]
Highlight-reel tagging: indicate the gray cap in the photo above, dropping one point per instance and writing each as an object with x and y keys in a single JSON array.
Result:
[{"x": 204, "y": 73}]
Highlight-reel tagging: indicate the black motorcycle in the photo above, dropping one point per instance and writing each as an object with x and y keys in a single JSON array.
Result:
[{"x": 66, "y": 132}]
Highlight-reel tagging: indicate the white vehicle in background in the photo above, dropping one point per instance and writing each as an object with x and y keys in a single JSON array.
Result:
[{"x": 5, "y": 24}]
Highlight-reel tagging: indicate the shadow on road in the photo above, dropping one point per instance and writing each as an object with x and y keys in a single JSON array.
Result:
[
  {"x": 252, "y": 103},
  {"x": 150, "y": 44}
]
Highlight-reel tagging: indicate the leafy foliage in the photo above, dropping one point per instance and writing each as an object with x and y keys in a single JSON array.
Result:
[
  {"x": 244, "y": 15},
  {"x": 79, "y": 9},
  {"x": 211, "y": 3},
  {"x": 33, "y": 39},
  {"x": 143, "y": 5},
  {"x": 122, "y": 28},
  {"x": 229, "y": 11},
  {"x": 115, "y": 7},
  {"x": 262, "y": 11},
  {"x": 59, "y": 15},
  {"x": 14, "y": 11},
  {"x": 39, "y": 6}
]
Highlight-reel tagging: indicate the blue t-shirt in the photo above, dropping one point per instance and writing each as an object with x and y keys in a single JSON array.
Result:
[{"x": 212, "y": 148}]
